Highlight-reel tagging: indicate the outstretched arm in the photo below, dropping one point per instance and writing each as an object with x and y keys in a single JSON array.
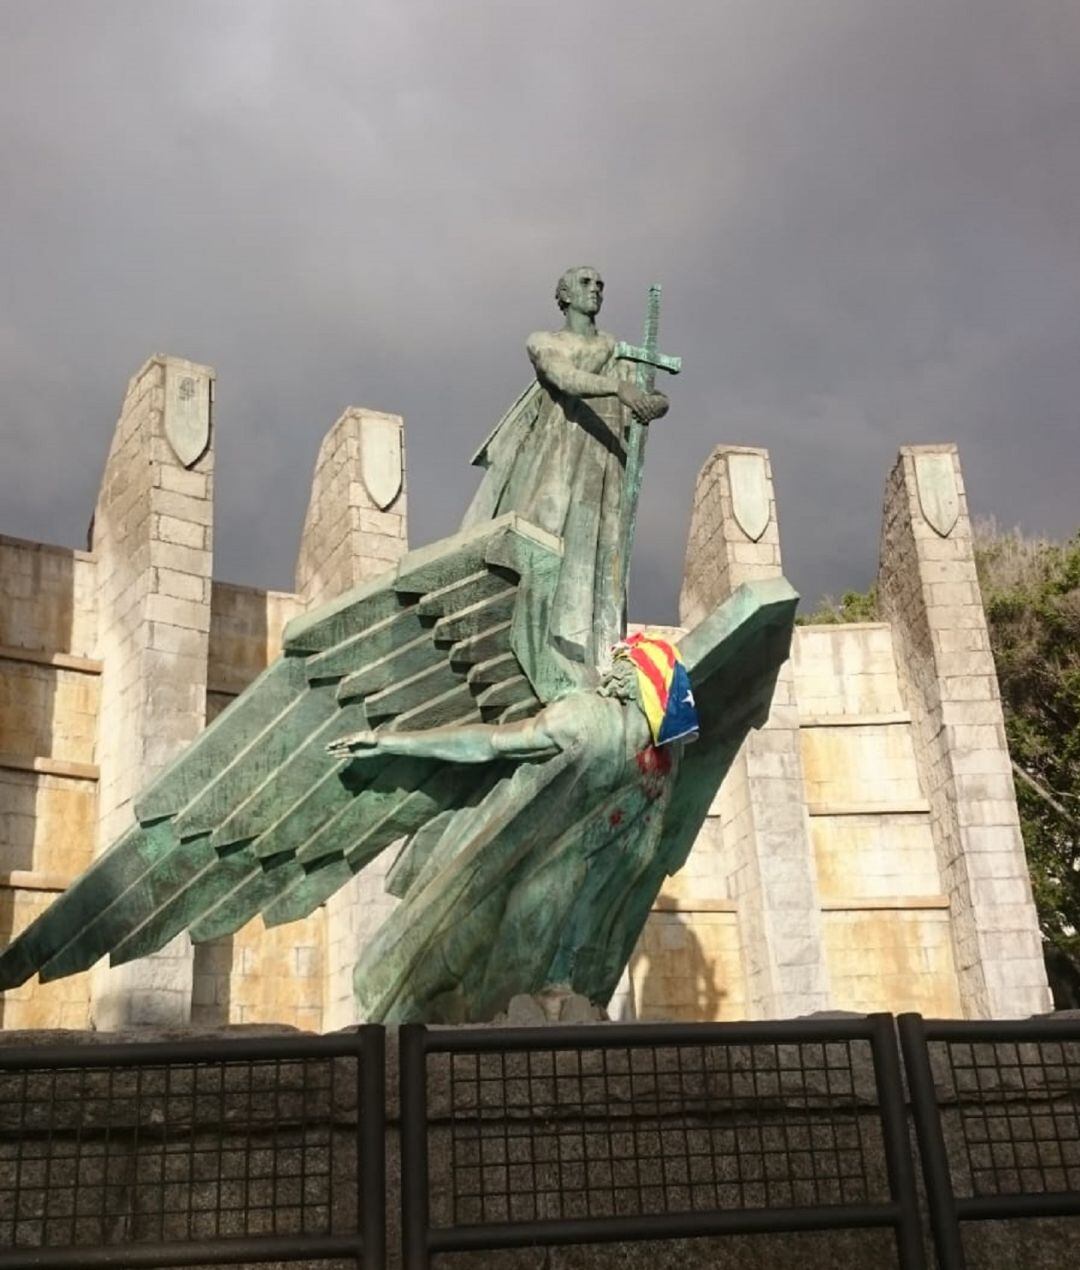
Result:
[{"x": 467, "y": 743}]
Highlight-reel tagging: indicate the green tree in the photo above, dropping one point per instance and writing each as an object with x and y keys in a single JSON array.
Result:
[
  {"x": 1031, "y": 591},
  {"x": 853, "y": 606}
]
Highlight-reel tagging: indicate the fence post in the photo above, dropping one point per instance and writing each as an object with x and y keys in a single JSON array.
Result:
[
  {"x": 898, "y": 1163},
  {"x": 412, "y": 1095},
  {"x": 371, "y": 1116},
  {"x": 926, "y": 1113}
]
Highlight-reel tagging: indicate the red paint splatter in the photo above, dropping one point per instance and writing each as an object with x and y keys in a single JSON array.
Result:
[
  {"x": 615, "y": 818},
  {"x": 654, "y": 764},
  {"x": 653, "y": 760}
]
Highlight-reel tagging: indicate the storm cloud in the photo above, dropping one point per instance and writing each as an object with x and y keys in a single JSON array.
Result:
[{"x": 866, "y": 217}]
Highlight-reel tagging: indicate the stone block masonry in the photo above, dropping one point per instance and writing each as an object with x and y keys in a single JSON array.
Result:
[
  {"x": 355, "y": 526},
  {"x": 888, "y": 937},
  {"x": 929, "y": 592},
  {"x": 153, "y": 544},
  {"x": 111, "y": 661},
  {"x": 252, "y": 976},
  {"x": 49, "y": 691},
  {"x": 355, "y": 529},
  {"x": 867, "y": 837},
  {"x": 760, "y": 843},
  {"x": 864, "y": 852}
]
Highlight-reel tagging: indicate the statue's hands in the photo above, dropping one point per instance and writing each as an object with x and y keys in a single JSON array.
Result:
[
  {"x": 658, "y": 406},
  {"x": 357, "y": 745},
  {"x": 644, "y": 406}
]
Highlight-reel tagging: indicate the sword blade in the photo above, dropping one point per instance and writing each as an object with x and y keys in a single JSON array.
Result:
[{"x": 652, "y": 336}]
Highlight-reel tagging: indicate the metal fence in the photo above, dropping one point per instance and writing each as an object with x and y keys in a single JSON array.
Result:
[
  {"x": 996, "y": 1107},
  {"x": 560, "y": 1135},
  {"x": 232, "y": 1152},
  {"x": 193, "y": 1153}
]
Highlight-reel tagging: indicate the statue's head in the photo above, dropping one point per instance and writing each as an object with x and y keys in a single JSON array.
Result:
[{"x": 580, "y": 288}]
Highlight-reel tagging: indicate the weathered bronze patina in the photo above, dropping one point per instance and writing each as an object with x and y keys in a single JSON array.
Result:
[
  {"x": 566, "y": 457},
  {"x": 463, "y": 710}
]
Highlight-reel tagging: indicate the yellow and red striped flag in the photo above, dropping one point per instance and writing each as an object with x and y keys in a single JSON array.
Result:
[{"x": 663, "y": 687}]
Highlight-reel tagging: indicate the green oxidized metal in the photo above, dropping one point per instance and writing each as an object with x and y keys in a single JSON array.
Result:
[{"x": 461, "y": 707}]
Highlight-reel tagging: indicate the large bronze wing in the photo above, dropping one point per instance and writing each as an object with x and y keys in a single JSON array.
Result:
[
  {"x": 733, "y": 658},
  {"x": 255, "y": 816}
]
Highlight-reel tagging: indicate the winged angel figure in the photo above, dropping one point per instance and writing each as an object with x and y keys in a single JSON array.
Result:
[{"x": 444, "y": 711}]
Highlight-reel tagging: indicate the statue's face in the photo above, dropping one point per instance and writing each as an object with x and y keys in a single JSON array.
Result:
[{"x": 583, "y": 290}]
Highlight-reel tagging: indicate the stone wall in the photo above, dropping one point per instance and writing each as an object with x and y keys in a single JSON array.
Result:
[
  {"x": 111, "y": 660},
  {"x": 153, "y": 542},
  {"x": 355, "y": 528},
  {"x": 688, "y": 962},
  {"x": 758, "y": 829},
  {"x": 260, "y": 974},
  {"x": 49, "y": 693},
  {"x": 929, "y": 593},
  {"x": 865, "y": 845},
  {"x": 885, "y": 917},
  {"x": 863, "y": 853}
]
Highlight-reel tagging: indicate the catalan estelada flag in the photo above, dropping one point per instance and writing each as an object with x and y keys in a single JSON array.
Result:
[{"x": 663, "y": 687}]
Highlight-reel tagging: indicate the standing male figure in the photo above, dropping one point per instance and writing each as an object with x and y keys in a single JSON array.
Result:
[{"x": 558, "y": 458}]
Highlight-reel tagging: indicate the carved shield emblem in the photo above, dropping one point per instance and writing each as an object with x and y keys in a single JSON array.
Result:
[
  {"x": 187, "y": 413},
  {"x": 939, "y": 498},
  {"x": 749, "y": 493},
  {"x": 380, "y": 459}
]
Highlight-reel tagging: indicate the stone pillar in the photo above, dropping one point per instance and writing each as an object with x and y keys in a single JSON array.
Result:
[
  {"x": 152, "y": 537},
  {"x": 928, "y": 590},
  {"x": 355, "y": 524},
  {"x": 354, "y": 530},
  {"x": 759, "y": 820}
]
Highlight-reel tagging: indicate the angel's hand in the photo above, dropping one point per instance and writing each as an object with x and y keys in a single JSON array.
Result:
[{"x": 357, "y": 745}]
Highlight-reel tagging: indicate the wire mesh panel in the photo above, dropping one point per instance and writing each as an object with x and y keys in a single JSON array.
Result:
[
  {"x": 1020, "y": 1114},
  {"x": 606, "y": 1133},
  {"x": 997, "y": 1110},
  {"x": 250, "y": 1146}
]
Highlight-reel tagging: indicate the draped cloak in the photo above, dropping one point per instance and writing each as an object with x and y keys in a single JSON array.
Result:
[{"x": 559, "y": 461}]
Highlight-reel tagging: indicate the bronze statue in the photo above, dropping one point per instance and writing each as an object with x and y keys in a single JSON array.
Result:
[
  {"x": 559, "y": 459},
  {"x": 463, "y": 708}
]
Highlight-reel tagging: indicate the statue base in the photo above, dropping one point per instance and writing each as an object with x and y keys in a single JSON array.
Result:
[{"x": 558, "y": 1003}]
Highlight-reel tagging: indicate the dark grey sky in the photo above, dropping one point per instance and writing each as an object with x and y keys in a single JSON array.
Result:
[{"x": 865, "y": 213}]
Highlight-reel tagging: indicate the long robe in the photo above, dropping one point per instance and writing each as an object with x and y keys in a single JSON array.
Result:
[
  {"x": 560, "y": 462},
  {"x": 511, "y": 901}
]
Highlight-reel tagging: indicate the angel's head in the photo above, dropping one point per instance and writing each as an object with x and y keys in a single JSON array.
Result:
[{"x": 620, "y": 681}]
